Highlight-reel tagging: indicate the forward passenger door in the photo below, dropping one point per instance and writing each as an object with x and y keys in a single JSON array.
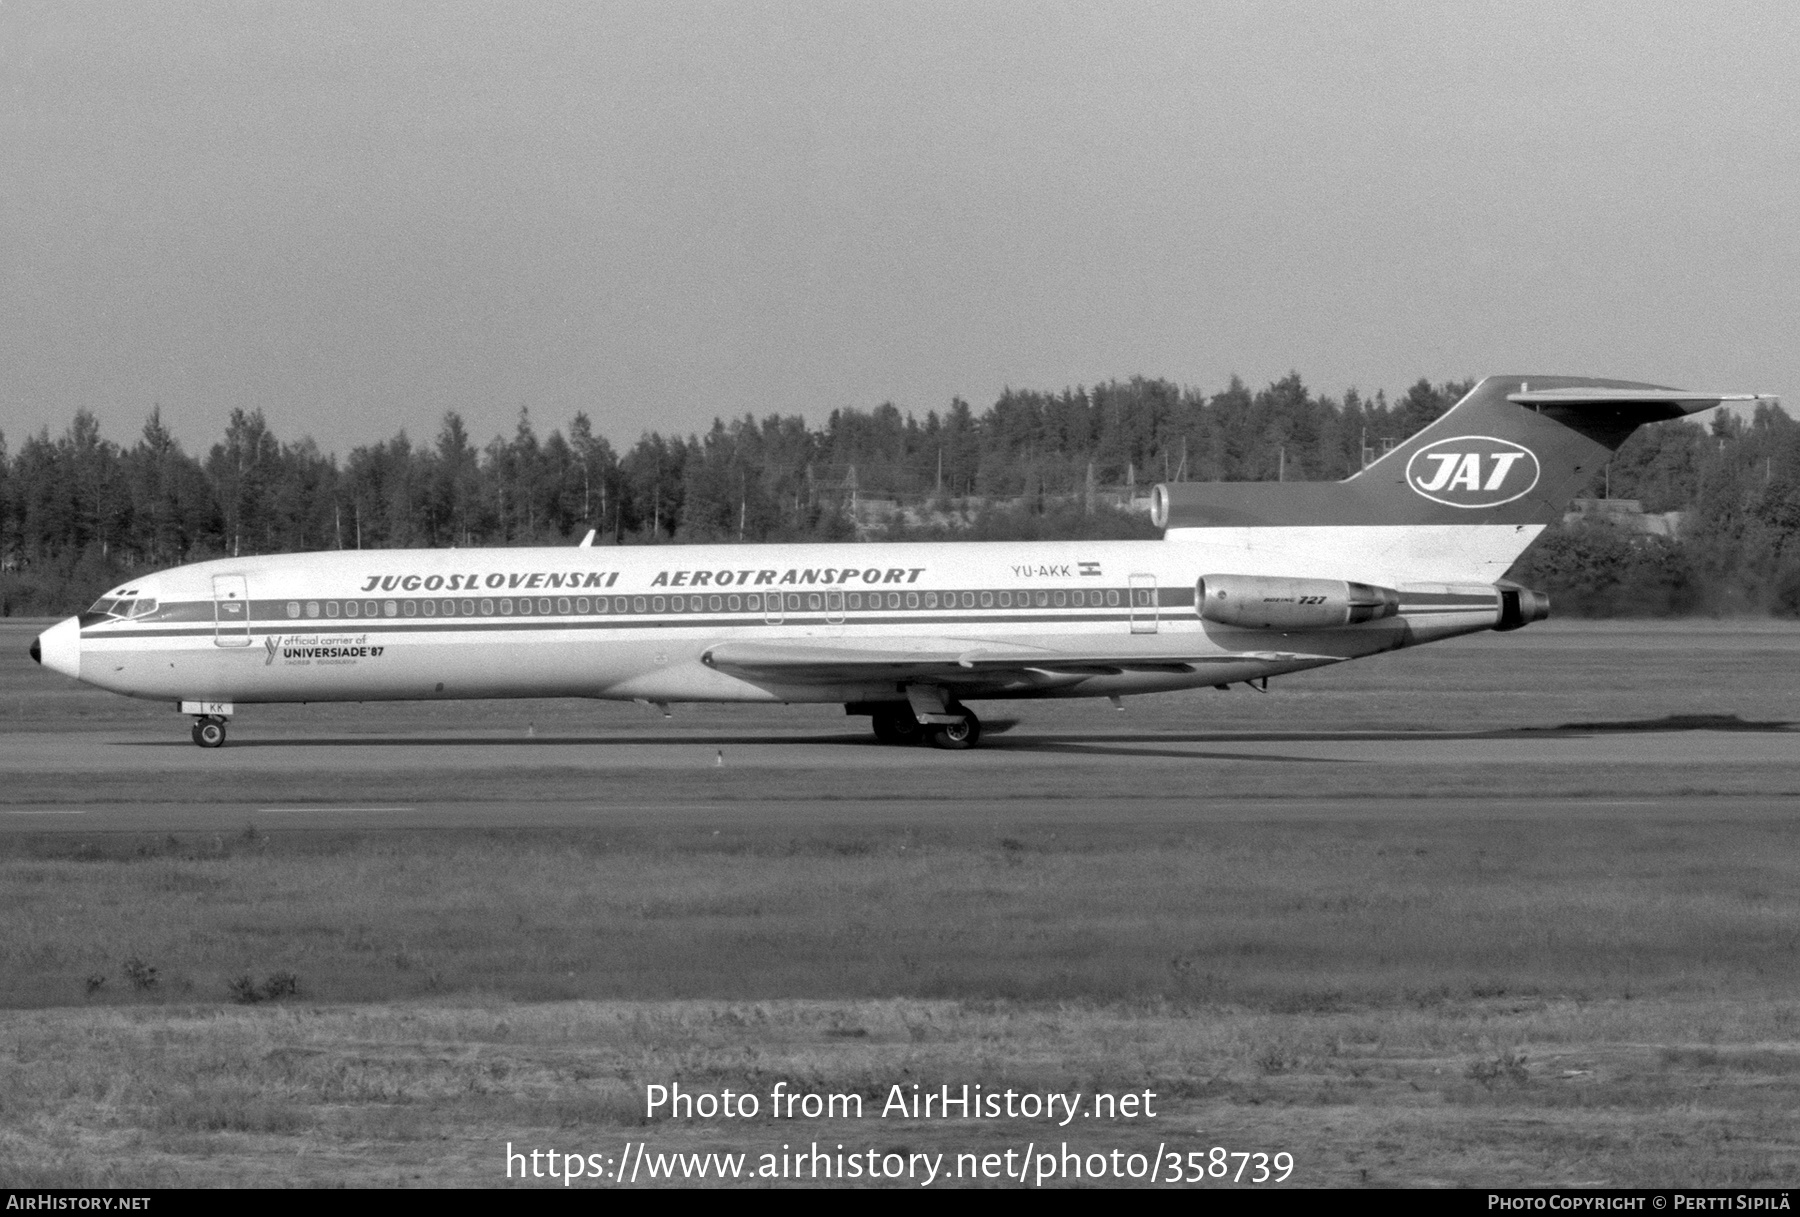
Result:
[{"x": 231, "y": 611}]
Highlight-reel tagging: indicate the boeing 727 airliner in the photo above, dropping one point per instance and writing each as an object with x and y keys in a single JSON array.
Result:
[{"x": 1250, "y": 580}]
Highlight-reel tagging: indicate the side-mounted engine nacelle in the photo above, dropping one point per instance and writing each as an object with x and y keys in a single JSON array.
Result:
[{"x": 1262, "y": 602}]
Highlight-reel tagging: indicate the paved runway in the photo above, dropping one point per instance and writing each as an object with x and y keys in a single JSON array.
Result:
[
  {"x": 110, "y": 780},
  {"x": 275, "y": 749},
  {"x": 871, "y": 813},
  {"x": 1563, "y": 719},
  {"x": 145, "y": 781}
]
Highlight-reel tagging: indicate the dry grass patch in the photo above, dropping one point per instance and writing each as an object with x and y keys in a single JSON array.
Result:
[{"x": 431, "y": 1093}]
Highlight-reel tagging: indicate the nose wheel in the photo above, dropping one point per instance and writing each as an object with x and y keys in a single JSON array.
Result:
[{"x": 209, "y": 732}]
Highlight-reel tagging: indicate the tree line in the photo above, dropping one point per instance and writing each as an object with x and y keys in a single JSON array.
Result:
[{"x": 79, "y": 512}]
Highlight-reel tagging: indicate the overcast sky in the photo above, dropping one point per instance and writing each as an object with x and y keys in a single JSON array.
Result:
[{"x": 356, "y": 216}]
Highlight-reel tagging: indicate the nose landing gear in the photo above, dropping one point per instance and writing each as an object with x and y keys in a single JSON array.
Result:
[{"x": 209, "y": 731}]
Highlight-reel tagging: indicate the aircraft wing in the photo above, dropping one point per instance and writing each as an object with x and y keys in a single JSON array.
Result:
[{"x": 949, "y": 659}]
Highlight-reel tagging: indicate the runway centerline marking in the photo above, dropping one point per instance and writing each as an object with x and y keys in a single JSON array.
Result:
[
  {"x": 46, "y": 811},
  {"x": 278, "y": 809},
  {"x": 653, "y": 807}
]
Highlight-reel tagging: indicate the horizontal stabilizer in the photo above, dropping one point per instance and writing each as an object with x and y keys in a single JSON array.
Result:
[{"x": 1681, "y": 401}]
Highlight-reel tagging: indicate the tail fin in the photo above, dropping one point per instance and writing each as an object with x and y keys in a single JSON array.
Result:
[{"x": 1514, "y": 451}]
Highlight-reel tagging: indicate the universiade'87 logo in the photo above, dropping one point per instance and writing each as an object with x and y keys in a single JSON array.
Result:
[{"x": 1473, "y": 471}]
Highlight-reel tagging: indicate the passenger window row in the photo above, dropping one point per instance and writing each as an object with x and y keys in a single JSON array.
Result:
[{"x": 770, "y": 603}]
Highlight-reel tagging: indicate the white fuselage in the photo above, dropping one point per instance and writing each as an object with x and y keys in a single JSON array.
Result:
[{"x": 638, "y": 622}]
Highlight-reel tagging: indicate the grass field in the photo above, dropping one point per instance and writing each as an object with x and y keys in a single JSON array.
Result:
[
  {"x": 1314, "y": 914},
  {"x": 1414, "y": 997}
]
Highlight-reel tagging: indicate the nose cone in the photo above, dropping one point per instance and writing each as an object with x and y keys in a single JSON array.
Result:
[{"x": 59, "y": 648}]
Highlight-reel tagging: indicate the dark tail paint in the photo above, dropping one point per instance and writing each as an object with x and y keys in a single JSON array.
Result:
[{"x": 1514, "y": 451}]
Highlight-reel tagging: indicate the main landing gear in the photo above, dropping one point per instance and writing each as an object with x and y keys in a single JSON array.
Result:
[
  {"x": 896, "y": 725},
  {"x": 209, "y": 731}
]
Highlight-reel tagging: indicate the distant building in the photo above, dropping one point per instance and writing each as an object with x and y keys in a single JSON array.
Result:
[{"x": 1628, "y": 515}]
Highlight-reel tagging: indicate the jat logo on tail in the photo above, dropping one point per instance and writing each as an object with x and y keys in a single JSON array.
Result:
[{"x": 1472, "y": 471}]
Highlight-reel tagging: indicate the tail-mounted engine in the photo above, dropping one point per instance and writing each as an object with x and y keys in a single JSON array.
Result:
[
  {"x": 1260, "y": 602},
  {"x": 1520, "y": 606}
]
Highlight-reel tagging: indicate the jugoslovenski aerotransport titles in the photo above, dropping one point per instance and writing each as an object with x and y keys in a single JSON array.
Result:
[{"x": 1250, "y": 580}]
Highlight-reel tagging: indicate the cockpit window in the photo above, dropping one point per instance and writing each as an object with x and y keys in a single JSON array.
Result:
[{"x": 109, "y": 607}]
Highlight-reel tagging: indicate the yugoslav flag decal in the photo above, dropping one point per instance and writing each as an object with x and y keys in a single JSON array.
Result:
[{"x": 1472, "y": 471}]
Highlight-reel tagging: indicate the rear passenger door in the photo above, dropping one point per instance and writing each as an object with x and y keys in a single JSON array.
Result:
[{"x": 1143, "y": 604}]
